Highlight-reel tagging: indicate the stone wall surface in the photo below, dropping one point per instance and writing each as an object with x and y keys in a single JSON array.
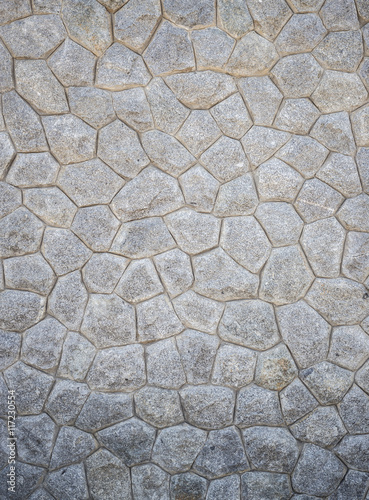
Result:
[{"x": 184, "y": 234}]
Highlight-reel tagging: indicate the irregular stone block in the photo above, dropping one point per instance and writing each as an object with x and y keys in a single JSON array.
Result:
[
  {"x": 257, "y": 406},
  {"x": 175, "y": 271},
  {"x": 29, "y": 272},
  {"x": 20, "y": 310},
  {"x": 66, "y": 400},
  {"x": 103, "y": 271},
  {"x": 102, "y": 409},
  {"x": 149, "y": 482},
  {"x": 96, "y": 227},
  {"x": 158, "y": 407},
  {"x": 322, "y": 427},
  {"x": 349, "y": 347},
  {"x": 212, "y": 48},
  {"x": 92, "y": 105},
  {"x": 76, "y": 358},
  {"x": 139, "y": 282},
  {"x": 164, "y": 368},
  {"x": 156, "y": 319},
  {"x": 296, "y": 401}
]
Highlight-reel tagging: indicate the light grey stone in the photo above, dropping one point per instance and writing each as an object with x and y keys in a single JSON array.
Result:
[
  {"x": 280, "y": 222},
  {"x": 252, "y": 56},
  {"x": 66, "y": 400},
  {"x": 177, "y": 447},
  {"x": 212, "y": 48},
  {"x": 33, "y": 37},
  {"x": 316, "y": 200},
  {"x": 277, "y": 181},
  {"x": 12, "y": 10},
  {"x": 334, "y": 132},
  {"x": 175, "y": 271},
  {"x": 35, "y": 439},
  {"x": 262, "y": 97},
  {"x": 149, "y": 482},
  {"x": 269, "y": 16},
  {"x": 353, "y": 486},
  {"x": 71, "y": 446},
  {"x": 217, "y": 276},
  {"x": 103, "y": 271},
  {"x": 197, "y": 351},
  {"x": 328, "y": 382},
  {"x": 305, "y": 333},
  {"x": 139, "y": 282},
  {"x": 127, "y": 161},
  {"x": 151, "y": 193},
  {"x": 90, "y": 182},
  {"x": 108, "y": 477},
  {"x": 341, "y": 51},
  {"x": 339, "y": 301},
  {"x": 265, "y": 485},
  {"x": 76, "y": 358},
  {"x": 158, "y": 407},
  {"x": 68, "y": 483},
  {"x": 164, "y": 368},
  {"x": 24, "y": 128},
  {"x": 63, "y": 250},
  {"x": 365, "y": 33},
  {"x": 257, "y": 406},
  {"x": 301, "y": 34},
  {"x": 322, "y": 427},
  {"x": 352, "y": 213},
  {"x": 156, "y": 319},
  {"x": 220, "y": 488},
  {"x": 199, "y": 188},
  {"x": 249, "y": 323},
  {"x": 225, "y": 159},
  {"x": 307, "y": 6},
  {"x": 73, "y": 64},
  {"x": 118, "y": 369},
  {"x": 354, "y": 410},
  {"x": 7, "y": 153},
  {"x": 340, "y": 172},
  {"x": 102, "y": 409},
  {"x": 234, "y": 17},
  {"x": 131, "y": 441},
  {"x": 6, "y": 66},
  {"x": 349, "y": 347},
  {"x": 355, "y": 262},
  {"x": 29, "y": 272},
  {"x": 354, "y": 451},
  {"x": 236, "y": 197},
  {"x": 296, "y": 401},
  {"x": 168, "y": 113},
  {"x": 297, "y": 75},
  {"x": 360, "y": 123},
  {"x": 294, "y": 276},
  {"x": 297, "y": 116},
  {"x": 21, "y": 233},
  {"x": 10, "y": 343},
  {"x": 199, "y": 131},
  {"x": 340, "y": 15},
  {"x": 196, "y": 311},
  {"x": 132, "y": 107},
  {"x": 20, "y": 310},
  {"x": 112, "y": 5},
  {"x": 262, "y": 142},
  {"x": 318, "y": 471},
  {"x": 92, "y": 105},
  {"x": 303, "y": 153},
  {"x": 135, "y": 23},
  {"x": 234, "y": 366},
  {"x": 108, "y": 321},
  {"x": 31, "y": 387},
  {"x": 362, "y": 377},
  {"x": 42, "y": 344},
  {"x": 167, "y": 153},
  {"x": 275, "y": 368},
  {"x": 51, "y": 205},
  {"x": 142, "y": 238},
  {"x": 192, "y": 15},
  {"x": 208, "y": 406},
  {"x": 96, "y": 226},
  {"x": 68, "y": 300},
  {"x": 169, "y": 50},
  {"x": 364, "y": 72},
  {"x": 362, "y": 8}
]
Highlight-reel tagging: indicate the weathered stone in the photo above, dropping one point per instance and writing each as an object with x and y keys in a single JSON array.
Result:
[
  {"x": 149, "y": 482},
  {"x": 252, "y": 56},
  {"x": 322, "y": 427},
  {"x": 192, "y": 15},
  {"x": 139, "y": 282},
  {"x": 280, "y": 222},
  {"x": 20, "y": 310},
  {"x": 51, "y": 205},
  {"x": 196, "y": 311},
  {"x": 24, "y": 128},
  {"x": 362, "y": 377},
  {"x": 41, "y": 494},
  {"x": 353, "y": 486},
  {"x": 6, "y": 155},
  {"x": 275, "y": 368},
  {"x": 262, "y": 142},
  {"x": 69, "y": 482},
  {"x": 228, "y": 486},
  {"x": 303, "y": 153},
  {"x": 158, "y": 407},
  {"x": 96, "y": 226},
  {"x": 355, "y": 263},
  {"x": 257, "y": 406},
  {"x": 297, "y": 75},
  {"x": 118, "y": 369},
  {"x": 232, "y": 116},
  {"x": 296, "y": 401},
  {"x": 339, "y": 301},
  {"x": 135, "y": 22},
  {"x": 234, "y": 366},
  {"x": 103, "y": 271},
  {"x": 77, "y": 357},
  {"x": 208, "y": 406},
  {"x": 217, "y": 276},
  {"x": 156, "y": 319},
  {"x": 301, "y": 34},
  {"x": 169, "y": 50},
  {"x": 42, "y": 344},
  {"x": 354, "y": 451},
  {"x": 112, "y": 5},
  {"x": 109, "y": 321},
  {"x": 354, "y": 410},
  {"x": 364, "y": 72},
  {"x": 131, "y": 441},
  {"x": 175, "y": 271},
  {"x": 225, "y": 159},
  {"x": 340, "y": 15},
  {"x": 6, "y": 67},
  {"x": 340, "y": 172},
  {"x": 21, "y": 233},
  {"x": 29, "y": 272},
  {"x": 349, "y": 347},
  {"x": 68, "y": 300},
  {"x": 340, "y": 51},
  {"x": 236, "y": 197},
  {"x": 132, "y": 107},
  {"x": 262, "y": 97},
  {"x": 33, "y": 37},
  {"x": 71, "y": 446},
  {"x": 142, "y": 238},
  {"x": 328, "y": 382},
  {"x": 73, "y": 64},
  {"x": 151, "y": 193},
  {"x": 197, "y": 351},
  {"x": 277, "y": 181},
  {"x": 199, "y": 131},
  {"x": 64, "y": 251},
  {"x": 9, "y": 348},
  {"x": 164, "y": 368},
  {"x": 269, "y": 16},
  {"x": 212, "y": 48},
  {"x": 297, "y": 116},
  {"x": 66, "y": 400},
  {"x": 108, "y": 477},
  {"x": 92, "y": 105},
  {"x": 14, "y": 9},
  {"x": 188, "y": 485},
  {"x": 318, "y": 471},
  {"x": 294, "y": 276},
  {"x": 31, "y": 386},
  {"x": 234, "y": 17},
  {"x": 360, "y": 124},
  {"x": 265, "y": 485},
  {"x": 316, "y": 200},
  {"x": 334, "y": 132},
  {"x": 199, "y": 188},
  {"x": 103, "y": 409},
  {"x": 352, "y": 213},
  {"x": 249, "y": 323},
  {"x": 90, "y": 182},
  {"x": 307, "y": 6},
  {"x": 305, "y": 333}
]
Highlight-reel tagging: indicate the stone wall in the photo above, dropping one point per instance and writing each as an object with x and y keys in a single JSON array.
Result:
[{"x": 184, "y": 227}]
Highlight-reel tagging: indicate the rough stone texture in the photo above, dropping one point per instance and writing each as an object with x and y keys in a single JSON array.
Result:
[
  {"x": 301, "y": 34},
  {"x": 92, "y": 105},
  {"x": 175, "y": 271},
  {"x": 66, "y": 400},
  {"x": 297, "y": 116},
  {"x": 199, "y": 131},
  {"x": 265, "y": 485},
  {"x": 237, "y": 197},
  {"x": 354, "y": 410},
  {"x": 275, "y": 368},
  {"x": 277, "y": 181},
  {"x": 20, "y": 310},
  {"x": 352, "y": 211},
  {"x": 103, "y": 409},
  {"x": 156, "y": 319},
  {"x": 334, "y": 132},
  {"x": 341, "y": 51},
  {"x": 297, "y": 75},
  {"x": 29, "y": 272},
  {"x": 196, "y": 311},
  {"x": 303, "y": 153},
  {"x": 225, "y": 159},
  {"x": 76, "y": 358},
  {"x": 281, "y": 223},
  {"x": 199, "y": 188},
  {"x": 316, "y": 200},
  {"x": 257, "y": 406},
  {"x": 164, "y": 368},
  {"x": 212, "y": 46},
  {"x": 322, "y": 427},
  {"x": 232, "y": 116},
  {"x": 296, "y": 401},
  {"x": 262, "y": 97},
  {"x": 139, "y": 282},
  {"x": 340, "y": 172},
  {"x": 158, "y": 407},
  {"x": 69, "y": 482},
  {"x": 349, "y": 347},
  {"x": 262, "y": 142},
  {"x": 149, "y": 482}
]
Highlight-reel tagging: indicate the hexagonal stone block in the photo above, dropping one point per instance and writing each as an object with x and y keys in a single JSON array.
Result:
[
  {"x": 269, "y": 16},
  {"x": 158, "y": 407},
  {"x": 277, "y": 181},
  {"x": 212, "y": 48},
  {"x": 257, "y": 406},
  {"x": 301, "y": 34},
  {"x": 316, "y": 200},
  {"x": 29, "y": 272},
  {"x": 92, "y": 105},
  {"x": 156, "y": 319},
  {"x": 234, "y": 366},
  {"x": 199, "y": 188},
  {"x": 20, "y": 310},
  {"x": 96, "y": 226},
  {"x": 102, "y": 409}
]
